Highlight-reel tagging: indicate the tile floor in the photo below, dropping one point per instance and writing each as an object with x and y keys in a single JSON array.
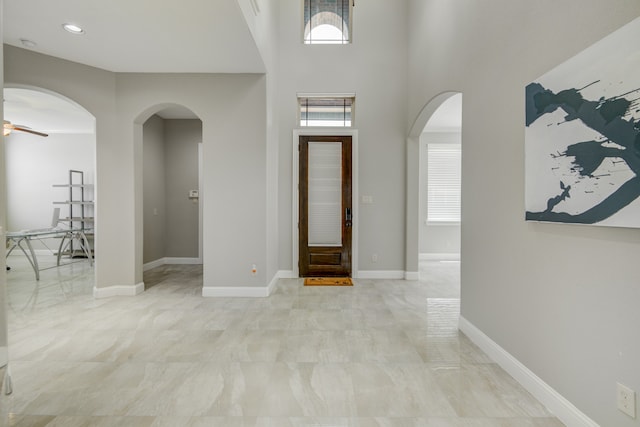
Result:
[{"x": 380, "y": 353}]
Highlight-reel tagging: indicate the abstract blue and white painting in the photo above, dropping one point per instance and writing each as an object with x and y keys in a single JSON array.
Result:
[{"x": 582, "y": 136}]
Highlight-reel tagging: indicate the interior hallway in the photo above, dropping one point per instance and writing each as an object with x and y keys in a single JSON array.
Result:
[{"x": 380, "y": 353}]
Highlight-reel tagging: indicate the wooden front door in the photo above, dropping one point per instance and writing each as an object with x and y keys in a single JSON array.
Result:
[{"x": 325, "y": 211}]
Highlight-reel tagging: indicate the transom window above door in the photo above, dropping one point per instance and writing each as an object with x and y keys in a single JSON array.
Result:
[
  {"x": 327, "y": 21},
  {"x": 326, "y": 110}
]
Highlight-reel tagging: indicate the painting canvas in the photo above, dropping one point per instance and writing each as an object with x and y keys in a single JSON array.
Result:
[{"x": 582, "y": 136}]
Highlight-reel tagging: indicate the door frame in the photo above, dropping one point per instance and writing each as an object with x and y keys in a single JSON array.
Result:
[{"x": 297, "y": 133}]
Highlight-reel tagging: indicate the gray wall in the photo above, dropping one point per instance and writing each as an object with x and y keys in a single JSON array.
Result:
[
  {"x": 94, "y": 90},
  {"x": 232, "y": 110},
  {"x": 181, "y": 167},
  {"x": 154, "y": 191},
  {"x": 374, "y": 67},
  {"x": 170, "y": 170},
  {"x": 561, "y": 299}
]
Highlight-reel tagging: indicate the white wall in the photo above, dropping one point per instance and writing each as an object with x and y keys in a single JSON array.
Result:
[
  {"x": 374, "y": 67},
  {"x": 33, "y": 165},
  {"x": 435, "y": 239},
  {"x": 561, "y": 299}
]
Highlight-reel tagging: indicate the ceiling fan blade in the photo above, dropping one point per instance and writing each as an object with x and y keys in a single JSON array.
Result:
[{"x": 30, "y": 131}]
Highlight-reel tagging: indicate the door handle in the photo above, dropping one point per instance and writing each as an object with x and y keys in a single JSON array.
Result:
[{"x": 347, "y": 217}]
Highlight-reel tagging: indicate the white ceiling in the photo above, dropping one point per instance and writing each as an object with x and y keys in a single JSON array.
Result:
[
  {"x": 448, "y": 117},
  {"x": 186, "y": 36},
  {"x": 45, "y": 112},
  {"x": 189, "y": 36}
]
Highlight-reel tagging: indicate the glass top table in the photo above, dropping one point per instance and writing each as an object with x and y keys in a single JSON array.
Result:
[{"x": 16, "y": 239}]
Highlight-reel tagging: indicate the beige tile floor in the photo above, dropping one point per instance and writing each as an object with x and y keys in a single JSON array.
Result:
[{"x": 380, "y": 353}]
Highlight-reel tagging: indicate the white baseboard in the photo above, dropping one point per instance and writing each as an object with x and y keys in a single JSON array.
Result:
[
  {"x": 439, "y": 257},
  {"x": 118, "y": 291},
  {"x": 236, "y": 291},
  {"x": 4, "y": 357},
  {"x": 171, "y": 260},
  {"x": 564, "y": 410},
  {"x": 286, "y": 274},
  {"x": 182, "y": 260},
  {"x": 411, "y": 275},
  {"x": 380, "y": 274},
  {"x": 245, "y": 291},
  {"x": 273, "y": 283},
  {"x": 366, "y": 274},
  {"x": 153, "y": 264}
]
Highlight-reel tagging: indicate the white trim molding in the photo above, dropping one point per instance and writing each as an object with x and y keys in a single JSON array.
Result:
[
  {"x": 118, "y": 291},
  {"x": 564, "y": 410},
  {"x": 242, "y": 291},
  {"x": 274, "y": 282},
  {"x": 171, "y": 260},
  {"x": 153, "y": 264},
  {"x": 412, "y": 275},
  {"x": 439, "y": 257},
  {"x": 4, "y": 356},
  {"x": 182, "y": 261},
  {"x": 286, "y": 274},
  {"x": 381, "y": 274}
]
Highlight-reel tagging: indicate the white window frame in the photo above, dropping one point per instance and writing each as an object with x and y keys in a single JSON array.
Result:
[
  {"x": 444, "y": 173},
  {"x": 345, "y": 41},
  {"x": 335, "y": 96}
]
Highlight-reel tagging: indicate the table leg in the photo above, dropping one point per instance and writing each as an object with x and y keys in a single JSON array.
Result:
[
  {"x": 86, "y": 247},
  {"x": 36, "y": 268},
  {"x": 61, "y": 248},
  {"x": 30, "y": 257}
]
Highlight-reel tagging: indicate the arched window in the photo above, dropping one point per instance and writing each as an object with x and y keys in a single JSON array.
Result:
[{"x": 327, "y": 21}]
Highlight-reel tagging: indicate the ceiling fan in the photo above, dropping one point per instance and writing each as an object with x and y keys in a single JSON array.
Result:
[{"x": 10, "y": 127}]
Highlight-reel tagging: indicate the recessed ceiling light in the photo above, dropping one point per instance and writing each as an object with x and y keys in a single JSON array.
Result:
[
  {"x": 73, "y": 29},
  {"x": 28, "y": 43}
]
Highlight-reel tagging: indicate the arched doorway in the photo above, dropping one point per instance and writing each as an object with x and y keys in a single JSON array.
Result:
[
  {"x": 442, "y": 116},
  {"x": 50, "y": 176},
  {"x": 70, "y": 142},
  {"x": 171, "y": 186}
]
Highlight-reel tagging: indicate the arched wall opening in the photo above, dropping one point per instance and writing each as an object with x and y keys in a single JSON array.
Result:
[
  {"x": 38, "y": 170},
  {"x": 447, "y": 128},
  {"x": 168, "y": 167}
]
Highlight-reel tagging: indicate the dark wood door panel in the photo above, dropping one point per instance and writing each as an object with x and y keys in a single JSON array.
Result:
[{"x": 315, "y": 261}]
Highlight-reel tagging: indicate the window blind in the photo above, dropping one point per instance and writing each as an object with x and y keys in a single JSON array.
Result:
[
  {"x": 326, "y": 111},
  {"x": 443, "y": 182}
]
